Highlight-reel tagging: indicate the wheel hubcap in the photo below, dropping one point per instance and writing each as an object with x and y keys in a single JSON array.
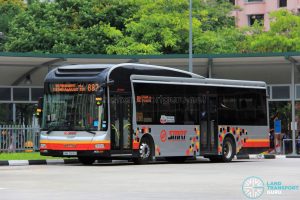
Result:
[
  {"x": 228, "y": 150},
  {"x": 144, "y": 151}
]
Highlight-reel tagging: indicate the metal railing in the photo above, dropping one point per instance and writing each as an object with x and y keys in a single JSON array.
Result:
[
  {"x": 287, "y": 146},
  {"x": 19, "y": 138}
]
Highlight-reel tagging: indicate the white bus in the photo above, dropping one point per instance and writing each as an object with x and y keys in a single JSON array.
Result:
[{"x": 144, "y": 112}]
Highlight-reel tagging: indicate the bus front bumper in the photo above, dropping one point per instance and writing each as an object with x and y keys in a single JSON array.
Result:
[{"x": 81, "y": 153}]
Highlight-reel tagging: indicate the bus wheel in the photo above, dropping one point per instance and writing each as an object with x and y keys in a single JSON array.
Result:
[
  {"x": 145, "y": 152},
  {"x": 86, "y": 160},
  {"x": 228, "y": 150}
]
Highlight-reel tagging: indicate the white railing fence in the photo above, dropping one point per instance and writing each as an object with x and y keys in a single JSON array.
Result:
[
  {"x": 287, "y": 146},
  {"x": 19, "y": 138}
]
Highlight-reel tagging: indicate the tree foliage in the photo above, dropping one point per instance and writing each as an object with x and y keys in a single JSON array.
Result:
[
  {"x": 8, "y": 10},
  {"x": 119, "y": 27},
  {"x": 283, "y": 36},
  {"x": 138, "y": 27},
  {"x": 73, "y": 26},
  {"x": 226, "y": 40},
  {"x": 162, "y": 26}
]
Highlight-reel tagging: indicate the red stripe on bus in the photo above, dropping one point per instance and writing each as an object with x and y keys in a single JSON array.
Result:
[
  {"x": 257, "y": 143},
  {"x": 74, "y": 146}
]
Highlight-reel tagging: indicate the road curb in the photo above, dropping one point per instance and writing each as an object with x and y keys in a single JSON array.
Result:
[
  {"x": 4, "y": 162},
  {"x": 256, "y": 156},
  {"x": 264, "y": 156},
  {"x": 52, "y": 162},
  {"x": 75, "y": 161},
  {"x": 290, "y": 156},
  {"x": 37, "y": 162}
]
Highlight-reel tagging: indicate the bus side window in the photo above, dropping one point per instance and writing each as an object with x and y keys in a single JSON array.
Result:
[
  {"x": 227, "y": 109},
  {"x": 246, "y": 109},
  {"x": 190, "y": 112},
  {"x": 144, "y": 109}
]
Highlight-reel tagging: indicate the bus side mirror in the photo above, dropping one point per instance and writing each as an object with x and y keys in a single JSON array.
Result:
[{"x": 39, "y": 109}]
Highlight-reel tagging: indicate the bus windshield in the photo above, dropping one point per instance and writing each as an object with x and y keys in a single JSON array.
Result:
[{"x": 73, "y": 111}]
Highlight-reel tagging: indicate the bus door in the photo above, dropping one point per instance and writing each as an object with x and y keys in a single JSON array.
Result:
[
  {"x": 120, "y": 118},
  {"x": 208, "y": 125}
]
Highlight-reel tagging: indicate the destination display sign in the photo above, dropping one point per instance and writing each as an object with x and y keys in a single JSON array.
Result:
[{"x": 74, "y": 87}]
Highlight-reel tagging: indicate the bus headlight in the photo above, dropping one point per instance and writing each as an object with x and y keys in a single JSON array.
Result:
[
  {"x": 99, "y": 146},
  {"x": 43, "y": 146}
]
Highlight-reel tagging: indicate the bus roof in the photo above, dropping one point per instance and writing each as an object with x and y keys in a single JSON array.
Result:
[
  {"x": 92, "y": 72},
  {"x": 87, "y": 71},
  {"x": 197, "y": 81},
  {"x": 193, "y": 75}
]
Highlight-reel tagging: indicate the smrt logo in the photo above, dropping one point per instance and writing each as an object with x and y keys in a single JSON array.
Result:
[
  {"x": 70, "y": 145},
  {"x": 173, "y": 135},
  {"x": 163, "y": 135},
  {"x": 70, "y": 132}
]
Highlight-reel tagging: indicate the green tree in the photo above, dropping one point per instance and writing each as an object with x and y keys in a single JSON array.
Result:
[
  {"x": 162, "y": 27},
  {"x": 283, "y": 36},
  {"x": 73, "y": 26},
  {"x": 8, "y": 10},
  {"x": 123, "y": 27},
  {"x": 226, "y": 40}
]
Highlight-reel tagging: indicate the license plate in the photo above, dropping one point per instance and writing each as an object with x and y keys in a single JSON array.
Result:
[{"x": 70, "y": 153}]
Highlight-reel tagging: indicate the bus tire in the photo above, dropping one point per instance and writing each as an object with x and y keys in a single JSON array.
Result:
[
  {"x": 228, "y": 151},
  {"x": 86, "y": 160},
  {"x": 145, "y": 152}
]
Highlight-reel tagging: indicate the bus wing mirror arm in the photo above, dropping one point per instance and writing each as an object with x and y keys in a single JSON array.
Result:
[{"x": 108, "y": 83}]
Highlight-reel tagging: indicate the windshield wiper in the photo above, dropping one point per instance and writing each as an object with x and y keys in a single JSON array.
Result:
[
  {"x": 90, "y": 131},
  {"x": 50, "y": 130},
  {"x": 57, "y": 128}
]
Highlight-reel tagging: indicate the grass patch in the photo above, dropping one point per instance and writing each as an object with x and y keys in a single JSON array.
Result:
[{"x": 25, "y": 156}]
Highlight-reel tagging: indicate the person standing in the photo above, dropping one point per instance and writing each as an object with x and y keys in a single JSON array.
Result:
[
  {"x": 4, "y": 139},
  {"x": 272, "y": 142},
  {"x": 277, "y": 131},
  {"x": 298, "y": 143}
]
